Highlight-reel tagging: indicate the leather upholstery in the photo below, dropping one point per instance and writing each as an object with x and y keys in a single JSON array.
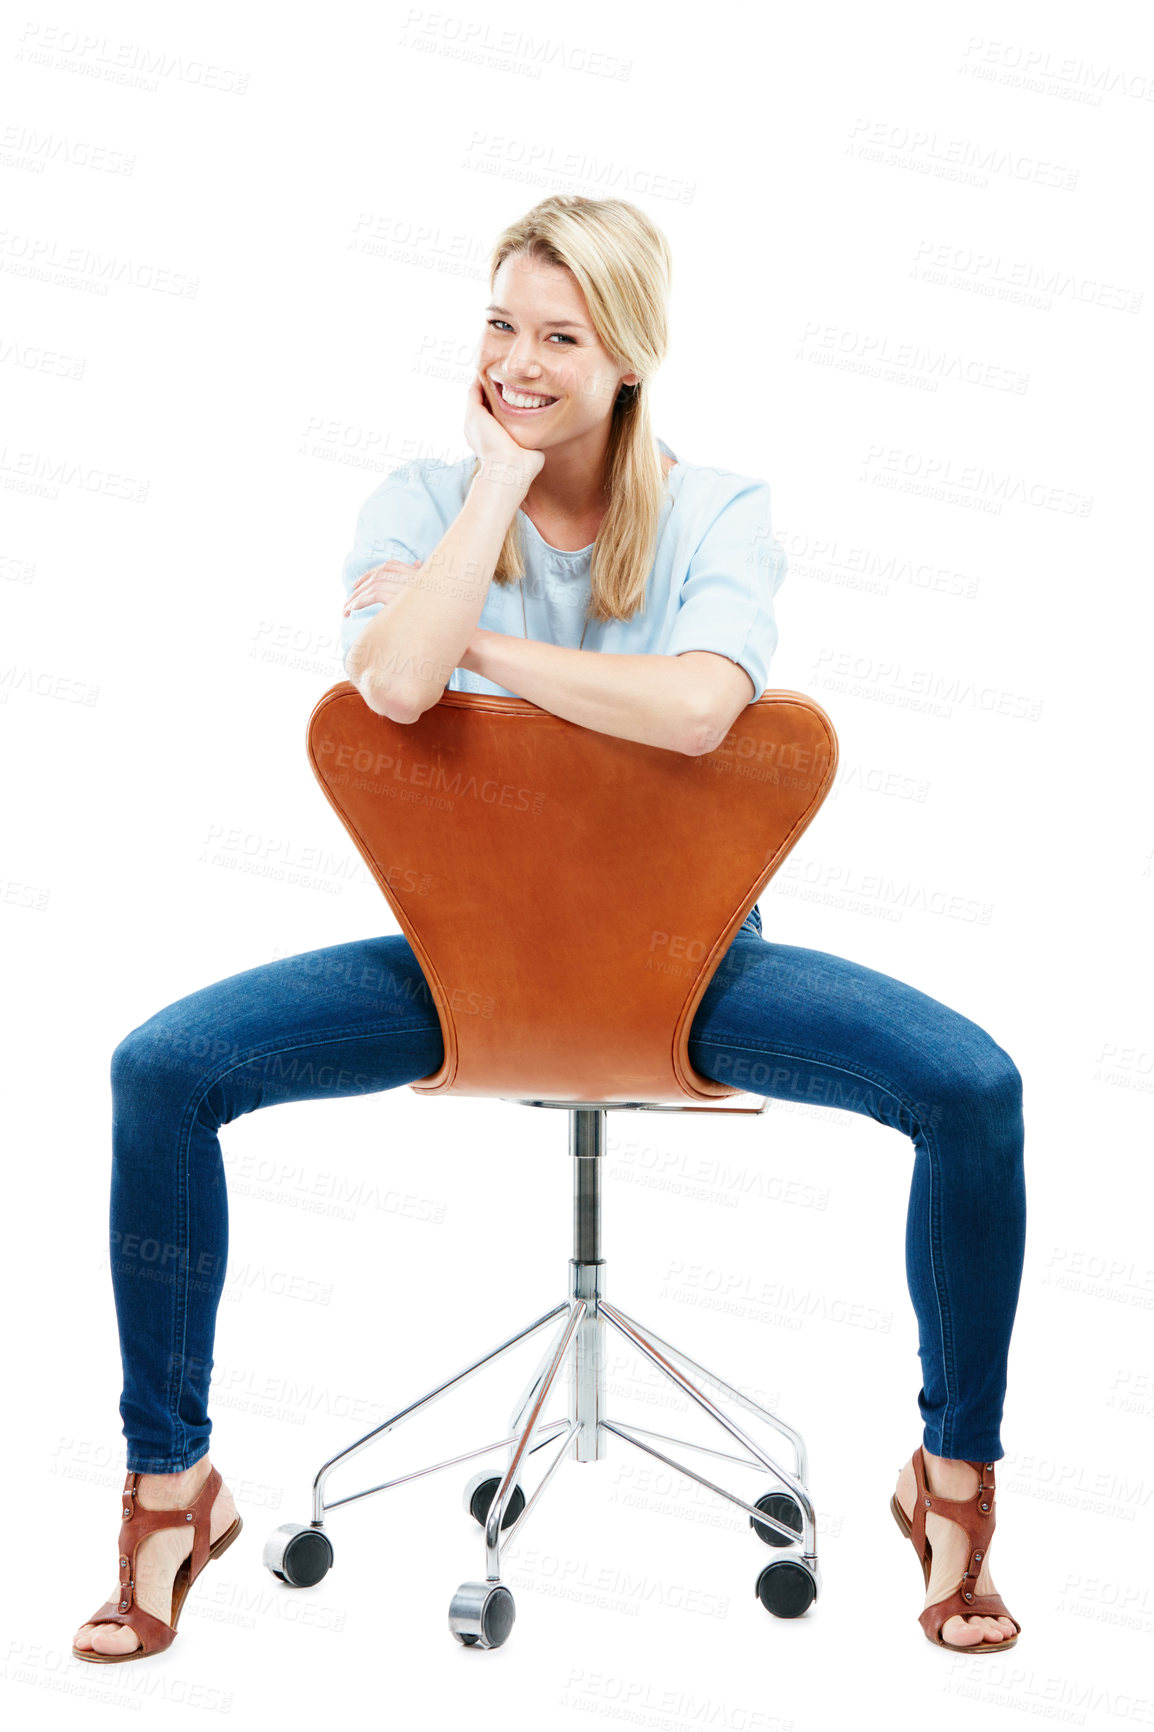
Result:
[{"x": 568, "y": 894}]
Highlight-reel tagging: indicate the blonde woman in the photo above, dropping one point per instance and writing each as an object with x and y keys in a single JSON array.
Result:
[{"x": 577, "y": 562}]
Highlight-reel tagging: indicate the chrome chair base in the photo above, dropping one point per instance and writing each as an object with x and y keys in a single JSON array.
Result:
[{"x": 481, "y": 1612}]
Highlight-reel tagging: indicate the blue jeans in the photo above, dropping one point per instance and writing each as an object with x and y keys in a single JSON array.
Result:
[{"x": 351, "y": 1019}]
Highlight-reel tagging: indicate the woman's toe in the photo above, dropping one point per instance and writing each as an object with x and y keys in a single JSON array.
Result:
[
  {"x": 114, "y": 1639},
  {"x": 962, "y": 1632}
]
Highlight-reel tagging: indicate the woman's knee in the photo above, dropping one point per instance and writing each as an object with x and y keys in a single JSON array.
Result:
[
  {"x": 991, "y": 1078},
  {"x": 978, "y": 1085},
  {"x": 165, "y": 1047}
]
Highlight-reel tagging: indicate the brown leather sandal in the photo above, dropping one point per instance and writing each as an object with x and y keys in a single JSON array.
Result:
[
  {"x": 154, "y": 1634},
  {"x": 976, "y": 1517}
]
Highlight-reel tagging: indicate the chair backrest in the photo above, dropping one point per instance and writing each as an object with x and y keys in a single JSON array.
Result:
[{"x": 568, "y": 894}]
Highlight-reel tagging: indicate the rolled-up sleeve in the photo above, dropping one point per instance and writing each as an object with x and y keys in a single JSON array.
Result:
[
  {"x": 400, "y": 520},
  {"x": 726, "y": 599}
]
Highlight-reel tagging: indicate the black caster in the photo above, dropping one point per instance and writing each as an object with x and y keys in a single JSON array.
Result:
[
  {"x": 783, "y": 1508},
  {"x": 479, "y": 1495},
  {"x": 787, "y": 1588},
  {"x": 481, "y": 1614},
  {"x": 298, "y": 1556}
]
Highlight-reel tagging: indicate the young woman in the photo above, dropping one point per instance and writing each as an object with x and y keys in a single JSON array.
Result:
[{"x": 576, "y": 562}]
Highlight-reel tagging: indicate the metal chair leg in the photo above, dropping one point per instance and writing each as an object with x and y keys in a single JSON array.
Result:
[
  {"x": 481, "y": 1614},
  {"x": 517, "y": 1417},
  {"x": 648, "y": 1344},
  {"x": 320, "y": 1506},
  {"x": 795, "y": 1438},
  {"x": 504, "y": 1490}
]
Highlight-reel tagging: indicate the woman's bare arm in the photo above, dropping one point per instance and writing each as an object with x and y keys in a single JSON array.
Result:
[
  {"x": 686, "y": 703},
  {"x": 402, "y": 661}
]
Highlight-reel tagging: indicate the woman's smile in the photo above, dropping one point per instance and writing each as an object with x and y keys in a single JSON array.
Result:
[{"x": 524, "y": 402}]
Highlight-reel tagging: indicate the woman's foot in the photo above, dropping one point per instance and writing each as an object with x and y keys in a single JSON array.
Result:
[
  {"x": 160, "y": 1554},
  {"x": 951, "y": 1548}
]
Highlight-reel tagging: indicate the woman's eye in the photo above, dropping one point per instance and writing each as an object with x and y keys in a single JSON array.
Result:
[{"x": 565, "y": 337}]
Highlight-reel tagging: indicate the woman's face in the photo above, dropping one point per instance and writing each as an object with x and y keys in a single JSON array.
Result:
[{"x": 539, "y": 342}]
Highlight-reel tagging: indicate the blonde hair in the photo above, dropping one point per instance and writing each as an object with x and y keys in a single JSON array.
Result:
[{"x": 622, "y": 264}]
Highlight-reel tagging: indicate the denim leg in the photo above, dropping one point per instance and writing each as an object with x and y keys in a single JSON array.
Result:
[
  {"x": 798, "y": 1024},
  {"x": 349, "y": 1019}
]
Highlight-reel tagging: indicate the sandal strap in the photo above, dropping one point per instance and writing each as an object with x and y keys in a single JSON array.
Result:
[
  {"x": 138, "y": 1523},
  {"x": 975, "y": 1516},
  {"x": 958, "y": 1606}
]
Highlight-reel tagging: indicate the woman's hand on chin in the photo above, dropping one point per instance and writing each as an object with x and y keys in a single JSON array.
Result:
[{"x": 492, "y": 444}]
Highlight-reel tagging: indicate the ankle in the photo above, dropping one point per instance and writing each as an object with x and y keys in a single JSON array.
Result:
[
  {"x": 949, "y": 1477},
  {"x": 174, "y": 1488}
]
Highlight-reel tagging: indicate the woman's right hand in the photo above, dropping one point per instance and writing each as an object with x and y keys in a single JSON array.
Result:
[{"x": 493, "y": 445}]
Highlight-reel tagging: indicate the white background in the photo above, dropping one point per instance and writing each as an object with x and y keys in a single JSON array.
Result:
[{"x": 912, "y": 291}]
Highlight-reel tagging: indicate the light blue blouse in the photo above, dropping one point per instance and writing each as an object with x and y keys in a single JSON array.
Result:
[{"x": 715, "y": 572}]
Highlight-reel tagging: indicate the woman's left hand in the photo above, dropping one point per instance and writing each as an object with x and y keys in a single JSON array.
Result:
[{"x": 383, "y": 584}]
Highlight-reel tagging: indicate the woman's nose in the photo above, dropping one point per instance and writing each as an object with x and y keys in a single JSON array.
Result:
[{"x": 521, "y": 360}]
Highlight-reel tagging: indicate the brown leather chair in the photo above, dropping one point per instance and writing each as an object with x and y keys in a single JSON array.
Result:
[{"x": 569, "y": 896}]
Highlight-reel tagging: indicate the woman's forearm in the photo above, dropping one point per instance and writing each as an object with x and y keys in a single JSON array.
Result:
[
  {"x": 654, "y": 699},
  {"x": 402, "y": 660}
]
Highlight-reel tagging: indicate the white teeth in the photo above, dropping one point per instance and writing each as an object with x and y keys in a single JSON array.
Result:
[{"x": 520, "y": 402}]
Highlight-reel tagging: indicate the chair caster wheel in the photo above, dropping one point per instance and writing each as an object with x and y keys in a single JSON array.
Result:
[
  {"x": 479, "y": 1495},
  {"x": 481, "y": 1614},
  {"x": 783, "y": 1508},
  {"x": 787, "y": 1588},
  {"x": 298, "y": 1556}
]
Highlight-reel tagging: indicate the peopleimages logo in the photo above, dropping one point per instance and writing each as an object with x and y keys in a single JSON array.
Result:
[{"x": 378, "y": 770}]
